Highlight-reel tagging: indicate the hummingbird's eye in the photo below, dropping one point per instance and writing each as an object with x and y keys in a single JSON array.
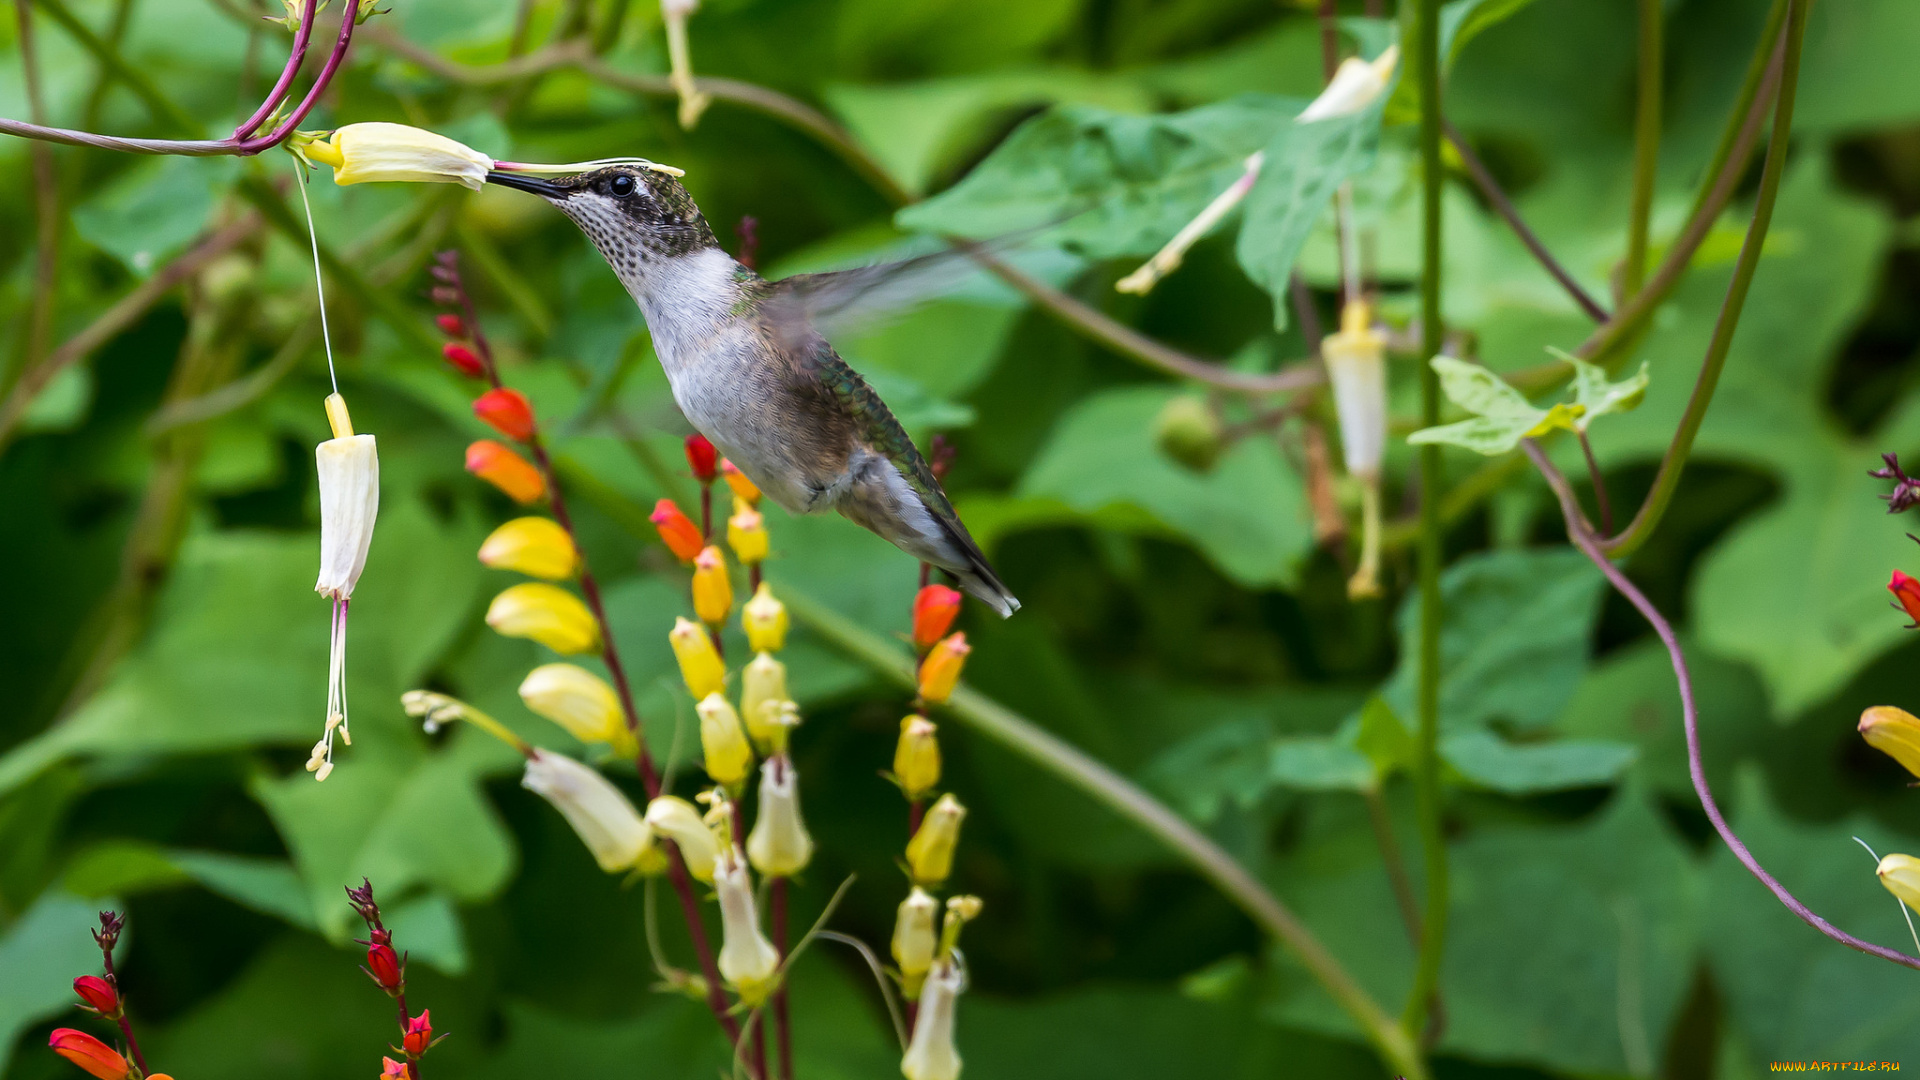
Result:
[{"x": 621, "y": 186}]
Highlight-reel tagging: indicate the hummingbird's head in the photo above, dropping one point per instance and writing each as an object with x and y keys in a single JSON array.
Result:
[{"x": 630, "y": 212}]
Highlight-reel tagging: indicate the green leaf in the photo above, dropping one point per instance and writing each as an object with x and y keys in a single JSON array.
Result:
[
  {"x": 1594, "y": 396},
  {"x": 1462, "y": 20},
  {"x": 1514, "y": 638},
  {"x": 1247, "y": 514},
  {"x": 41, "y": 953},
  {"x": 1503, "y": 417},
  {"x": 154, "y": 211},
  {"x": 131, "y": 867},
  {"x": 1116, "y": 184},
  {"x": 1323, "y": 763},
  {"x": 1487, "y": 760},
  {"x": 1384, "y": 739}
]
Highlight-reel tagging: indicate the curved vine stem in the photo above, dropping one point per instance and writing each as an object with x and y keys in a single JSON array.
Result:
[{"x": 1583, "y": 537}]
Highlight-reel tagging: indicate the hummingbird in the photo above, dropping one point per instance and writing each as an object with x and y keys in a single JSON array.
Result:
[{"x": 751, "y": 370}]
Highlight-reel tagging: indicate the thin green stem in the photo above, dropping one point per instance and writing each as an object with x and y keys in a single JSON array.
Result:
[
  {"x": 1646, "y": 147},
  {"x": 1426, "y": 772},
  {"x": 1675, "y": 460},
  {"x": 1750, "y": 88}
]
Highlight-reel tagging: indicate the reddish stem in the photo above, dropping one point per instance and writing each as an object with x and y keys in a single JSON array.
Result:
[
  {"x": 320, "y": 84},
  {"x": 1583, "y": 538},
  {"x": 287, "y": 74},
  {"x": 783, "y": 1023},
  {"x": 697, "y": 930},
  {"x": 126, "y": 1025}
]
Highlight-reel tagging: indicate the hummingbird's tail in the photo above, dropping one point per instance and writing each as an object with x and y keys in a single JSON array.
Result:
[{"x": 977, "y": 578}]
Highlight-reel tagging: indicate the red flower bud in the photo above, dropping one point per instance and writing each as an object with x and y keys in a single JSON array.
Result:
[
  {"x": 703, "y": 457},
  {"x": 933, "y": 611},
  {"x": 463, "y": 359},
  {"x": 384, "y": 966},
  {"x": 677, "y": 530},
  {"x": 1907, "y": 591},
  {"x": 451, "y": 325},
  {"x": 89, "y": 1053},
  {"x": 98, "y": 993},
  {"x": 506, "y": 470},
  {"x": 445, "y": 294},
  {"x": 419, "y": 1034},
  {"x": 506, "y": 411}
]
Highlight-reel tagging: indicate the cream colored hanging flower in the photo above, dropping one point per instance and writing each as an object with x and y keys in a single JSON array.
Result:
[
  {"x": 349, "y": 467},
  {"x": 381, "y": 152}
]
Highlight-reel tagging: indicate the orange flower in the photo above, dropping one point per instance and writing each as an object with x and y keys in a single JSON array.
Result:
[
  {"x": 89, "y": 1053},
  {"x": 419, "y": 1034},
  {"x": 506, "y": 411},
  {"x": 98, "y": 993},
  {"x": 737, "y": 480},
  {"x": 940, "y": 671},
  {"x": 506, "y": 470},
  {"x": 1907, "y": 591},
  {"x": 392, "y": 1070},
  {"x": 677, "y": 530},
  {"x": 933, "y": 611}
]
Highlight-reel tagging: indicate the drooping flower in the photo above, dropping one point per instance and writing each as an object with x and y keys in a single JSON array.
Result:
[
  {"x": 915, "y": 939},
  {"x": 916, "y": 757},
  {"x": 747, "y": 960},
  {"x": 1357, "y": 367},
  {"x": 98, "y": 993},
  {"x": 1895, "y": 733},
  {"x": 712, "y": 588},
  {"x": 779, "y": 845},
  {"x": 700, "y": 666},
  {"x": 463, "y": 359},
  {"x": 600, "y": 814},
  {"x": 765, "y": 620},
  {"x": 934, "y": 608},
  {"x": 677, "y": 530},
  {"x": 940, "y": 671},
  {"x": 1356, "y": 84},
  {"x": 547, "y": 614},
  {"x": 743, "y": 488},
  {"x": 581, "y": 702},
  {"x": 931, "y": 1054},
  {"x": 677, "y": 820},
  {"x": 506, "y": 470},
  {"x": 349, "y": 467},
  {"x": 930, "y": 852},
  {"x": 506, "y": 411},
  {"x": 747, "y": 533},
  {"x": 726, "y": 754},
  {"x": 1901, "y": 875},
  {"x": 89, "y": 1053},
  {"x": 534, "y": 546},
  {"x": 763, "y": 695}
]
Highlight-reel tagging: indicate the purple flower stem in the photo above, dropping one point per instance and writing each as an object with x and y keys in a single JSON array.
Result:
[
  {"x": 1582, "y": 535},
  {"x": 299, "y": 56}
]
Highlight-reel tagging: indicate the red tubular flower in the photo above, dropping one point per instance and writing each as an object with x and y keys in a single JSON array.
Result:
[
  {"x": 703, "y": 457},
  {"x": 451, "y": 325},
  {"x": 677, "y": 530},
  {"x": 419, "y": 1034},
  {"x": 933, "y": 611},
  {"x": 89, "y": 1053},
  {"x": 1907, "y": 591},
  {"x": 505, "y": 470},
  {"x": 98, "y": 993},
  {"x": 507, "y": 411},
  {"x": 383, "y": 964},
  {"x": 463, "y": 359}
]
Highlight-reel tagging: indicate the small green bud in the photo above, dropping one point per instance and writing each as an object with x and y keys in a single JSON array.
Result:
[{"x": 1188, "y": 431}]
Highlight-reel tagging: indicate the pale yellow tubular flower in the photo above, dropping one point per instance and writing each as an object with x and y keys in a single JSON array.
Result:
[
  {"x": 916, "y": 757},
  {"x": 765, "y": 620},
  {"x": 349, "y": 470},
  {"x": 1901, "y": 875},
  {"x": 763, "y": 683},
  {"x": 382, "y": 152},
  {"x": 678, "y": 820},
  {"x": 915, "y": 939},
  {"x": 700, "y": 666},
  {"x": 747, "y": 960},
  {"x": 1356, "y": 84},
  {"x": 1357, "y": 369},
  {"x": 931, "y": 1054},
  {"x": 579, "y": 701},
  {"x": 601, "y": 816},
  {"x": 779, "y": 845},
  {"x": 747, "y": 533},
  {"x": 961, "y": 910},
  {"x": 547, "y": 614},
  {"x": 1168, "y": 259},
  {"x": 534, "y": 546},
  {"x": 930, "y": 852},
  {"x": 723, "y": 742},
  {"x": 1895, "y": 733}
]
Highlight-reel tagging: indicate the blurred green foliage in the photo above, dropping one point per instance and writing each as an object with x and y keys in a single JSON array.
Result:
[{"x": 164, "y": 658}]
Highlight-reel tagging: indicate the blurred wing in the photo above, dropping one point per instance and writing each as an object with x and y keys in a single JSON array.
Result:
[{"x": 843, "y": 302}]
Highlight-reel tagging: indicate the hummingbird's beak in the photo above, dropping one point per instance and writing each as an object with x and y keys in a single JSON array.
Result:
[{"x": 521, "y": 182}]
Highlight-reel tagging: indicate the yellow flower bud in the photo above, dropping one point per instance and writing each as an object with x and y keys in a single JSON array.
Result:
[
  {"x": 747, "y": 960},
  {"x": 747, "y": 533},
  {"x": 547, "y": 614},
  {"x": 1901, "y": 875},
  {"x": 363, "y": 153},
  {"x": 700, "y": 666},
  {"x": 743, "y": 488},
  {"x": 916, "y": 758},
  {"x": 779, "y": 845},
  {"x": 677, "y": 820},
  {"x": 961, "y": 910},
  {"x": 930, "y": 852},
  {"x": 763, "y": 683},
  {"x": 712, "y": 589},
  {"x": 940, "y": 671},
  {"x": 534, "y": 546},
  {"x": 931, "y": 1054},
  {"x": 579, "y": 701},
  {"x": 1895, "y": 733},
  {"x": 602, "y": 817},
  {"x": 764, "y": 618},
  {"x": 914, "y": 939},
  {"x": 723, "y": 741}
]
